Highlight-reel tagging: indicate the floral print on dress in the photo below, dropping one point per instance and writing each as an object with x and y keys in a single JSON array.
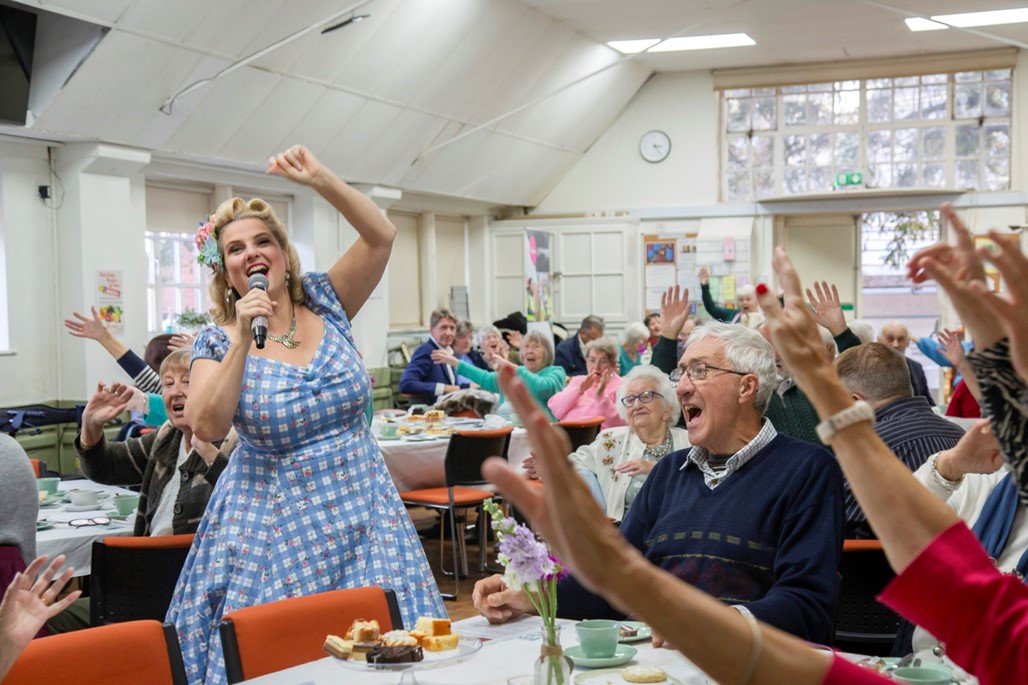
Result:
[{"x": 306, "y": 504}]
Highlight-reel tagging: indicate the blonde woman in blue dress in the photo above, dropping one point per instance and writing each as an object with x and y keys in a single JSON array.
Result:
[{"x": 306, "y": 504}]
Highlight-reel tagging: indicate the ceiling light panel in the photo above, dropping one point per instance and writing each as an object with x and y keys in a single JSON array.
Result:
[
  {"x": 1017, "y": 15},
  {"x": 630, "y": 47},
  {"x": 724, "y": 40}
]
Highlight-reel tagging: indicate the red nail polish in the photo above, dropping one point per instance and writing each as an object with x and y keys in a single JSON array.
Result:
[{"x": 761, "y": 288}]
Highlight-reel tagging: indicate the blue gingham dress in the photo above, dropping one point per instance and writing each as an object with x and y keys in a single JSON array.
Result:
[{"x": 306, "y": 504}]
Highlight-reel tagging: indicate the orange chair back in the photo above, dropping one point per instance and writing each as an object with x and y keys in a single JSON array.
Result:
[
  {"x": 851, "y": 545},
  {"x": 151, "y": 541},
  {"x": 118, "y": 654},
  {"x": 270, "y": 637}
]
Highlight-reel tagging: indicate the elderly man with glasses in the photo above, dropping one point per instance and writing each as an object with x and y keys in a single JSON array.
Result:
[{"x": 751, "y": 516}]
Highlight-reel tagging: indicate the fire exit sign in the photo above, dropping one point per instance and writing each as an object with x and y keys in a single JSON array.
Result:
[{"x": 853, "y": 179}]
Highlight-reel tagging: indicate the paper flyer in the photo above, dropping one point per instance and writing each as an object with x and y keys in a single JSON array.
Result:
[
  {"x": 728, "y": 288},
  {"x": 110, "y": 299}
]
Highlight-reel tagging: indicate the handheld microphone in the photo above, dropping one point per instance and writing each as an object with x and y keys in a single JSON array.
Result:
[{"x": 259, "y": 324}]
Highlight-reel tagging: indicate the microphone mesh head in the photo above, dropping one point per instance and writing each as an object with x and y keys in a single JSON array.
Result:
[{"x": 258, "y": 281}]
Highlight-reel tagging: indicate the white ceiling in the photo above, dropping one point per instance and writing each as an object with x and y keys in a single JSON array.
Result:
[{"x": 373, "y": 98}]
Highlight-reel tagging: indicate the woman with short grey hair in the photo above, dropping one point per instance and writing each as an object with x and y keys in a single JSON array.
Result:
[
  {"x": 616, "y": 464},
  {"x": 594, "y": 393},
  {"x": 633, "y": 339}
]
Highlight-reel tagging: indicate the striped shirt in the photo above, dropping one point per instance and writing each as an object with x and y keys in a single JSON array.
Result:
[{"x": 913, "y": 432}]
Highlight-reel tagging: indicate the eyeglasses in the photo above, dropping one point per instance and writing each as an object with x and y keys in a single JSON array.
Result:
[
  {"x": 645, "y": 397},
  {"x": 697, "y": 371},
  {"x": 84, "y": 523}
]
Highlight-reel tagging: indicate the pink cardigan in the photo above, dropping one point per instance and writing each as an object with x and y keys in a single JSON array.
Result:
[
  {"x": 954, "y": 590},
  {"x": 570, "y": 405}
]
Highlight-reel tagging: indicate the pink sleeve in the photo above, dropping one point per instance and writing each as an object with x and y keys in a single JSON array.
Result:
[
  {"x": 564, "y": 401},
  {"x": 843, "y": 672},
  {"x": 953, "y": 590}
]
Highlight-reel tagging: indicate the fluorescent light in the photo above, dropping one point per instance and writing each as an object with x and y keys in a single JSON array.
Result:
[
  {"x": 630, "y": 47},
  {"x": 1018, "y": 15},
  {"x": 919, "y": 24},
  {"x": 724, "y": 40}
]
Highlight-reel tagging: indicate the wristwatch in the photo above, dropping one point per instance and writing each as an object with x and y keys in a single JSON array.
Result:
[{"x": 860, "y": 411}]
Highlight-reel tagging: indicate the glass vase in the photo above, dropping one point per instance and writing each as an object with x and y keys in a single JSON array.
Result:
[{"x": 552, "y": 667}]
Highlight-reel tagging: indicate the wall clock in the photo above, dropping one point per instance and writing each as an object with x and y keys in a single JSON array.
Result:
[{"x": 655, "y": 146}]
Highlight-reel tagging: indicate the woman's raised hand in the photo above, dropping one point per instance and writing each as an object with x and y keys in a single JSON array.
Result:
[
  {"x": 297, "y": 164},
  {"x": 107, "y": 403},
  {"x": 93, "y": 328},
  {"x": 444, "y": 357},
  {"x": 792, "y": 326},
  {"x": 29, "y": 602},
  {"x": 1008, "y": 309},
  {"x": 674, "y": 310}
]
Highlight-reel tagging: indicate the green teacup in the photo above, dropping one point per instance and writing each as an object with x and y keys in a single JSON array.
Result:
[
  {"x": 598, "y": 637},
  {"x": 388, "y": 430},
  {"x": 126, "y": 504},
  {"x": 48, "y": 485},
  {"x": 923, "y": 675}
]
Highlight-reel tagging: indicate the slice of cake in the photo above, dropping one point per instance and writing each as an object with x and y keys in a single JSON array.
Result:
[
  {"x": 363, "y": 631},
  {"x": 427, "y": 625},
  {"x": 338, "y": 647},
  {"x": 400, "y": 654},
  {"x": 440, "y": 643},
  {"x": 362, "y": 649}
]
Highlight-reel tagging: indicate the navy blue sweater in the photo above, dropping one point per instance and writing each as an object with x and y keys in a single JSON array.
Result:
[{"x": 769, "y": 537}]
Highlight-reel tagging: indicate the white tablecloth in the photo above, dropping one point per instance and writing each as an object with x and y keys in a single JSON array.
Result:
[
  {"x": 419, "y": 464},
  {"x": 511, "y": 651},
  {"x": 76, "y": 544}
]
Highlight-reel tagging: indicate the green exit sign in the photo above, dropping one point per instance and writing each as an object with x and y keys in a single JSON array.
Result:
[{"x": 854, "y": 179}]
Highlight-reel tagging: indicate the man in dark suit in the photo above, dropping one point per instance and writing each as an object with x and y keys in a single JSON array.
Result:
[
  {"x": 570, "y": 353},
  {"x": 423, "y": 378},
  {"x": 895, "y": 335}
]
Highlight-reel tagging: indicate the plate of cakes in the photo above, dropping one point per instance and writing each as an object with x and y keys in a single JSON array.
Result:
[{"x": 432, "y": 644}]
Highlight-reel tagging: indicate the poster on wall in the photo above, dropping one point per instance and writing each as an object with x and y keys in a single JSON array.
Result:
[
  {"x": 110, "y": 299},
  {"x": 669, "y": 261},
  {"x": 538, "y": 288}
]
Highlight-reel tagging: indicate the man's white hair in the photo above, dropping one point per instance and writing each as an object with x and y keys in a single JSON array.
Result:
[{"x": 745, "y": 350}]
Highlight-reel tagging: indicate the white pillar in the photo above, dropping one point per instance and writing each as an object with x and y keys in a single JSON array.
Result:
[
  {"x": 371, "y": 326},
  {"x": 427, "y": 266},
  {"x": 100, "y": 227}
]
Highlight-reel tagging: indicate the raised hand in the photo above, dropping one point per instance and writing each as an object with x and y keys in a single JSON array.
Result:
[
  {"x": 297, "y": 164},
  {"x": 29, "y": 602},
  {"x": 956, "y": 268},
  {"x": 1008, "y": 309},
  {"x": 180, "y": 340},
  {"x": 564, "y": 512},
  {"x": 951, "y": 347},
  {"x": 604, "y": 379},
  {"x": 84, "y": 327},
  {"x": 977, "y": 452},
  {"x": 827, "y": 307},
  {"x": 444, "y": 357},
  {"x": 792, "y": 324},
  {"x": 674, "y": 310},
  {"x": 704, "y": 274},
  {"x": 107, "y": 403}
]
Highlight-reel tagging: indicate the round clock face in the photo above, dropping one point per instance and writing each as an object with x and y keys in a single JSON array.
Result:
[{"x": 655, "y": 146}]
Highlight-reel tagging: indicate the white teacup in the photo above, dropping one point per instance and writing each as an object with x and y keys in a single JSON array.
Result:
[
  {"x": 923, "y": 675},
  {"x": 84, "y": 498}
]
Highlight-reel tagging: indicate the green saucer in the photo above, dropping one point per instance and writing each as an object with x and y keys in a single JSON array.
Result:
[{"x": 622, "y": 655}]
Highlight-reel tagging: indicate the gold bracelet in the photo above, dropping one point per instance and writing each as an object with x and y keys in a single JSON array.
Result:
[{"x": 758, "y": 643}]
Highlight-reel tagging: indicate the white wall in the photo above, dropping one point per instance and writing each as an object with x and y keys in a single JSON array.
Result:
[
  {"x": 29, "y": 373},
  {"x": 612, "y": 175}
]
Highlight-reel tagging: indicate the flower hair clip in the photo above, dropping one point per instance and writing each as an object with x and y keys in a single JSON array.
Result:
[{"x": 207, "y": 245}]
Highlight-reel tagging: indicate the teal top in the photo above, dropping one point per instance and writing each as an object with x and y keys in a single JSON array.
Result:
[
  {"x": 543, "y": 385},
  {"x": 156, "y": 414},
  {"x": 626, "y": 363}
]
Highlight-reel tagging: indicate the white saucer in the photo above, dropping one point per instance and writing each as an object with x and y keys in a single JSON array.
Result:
[
  {"x": 83, "y": 507},
  {"x": 622, "y": 655}
]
